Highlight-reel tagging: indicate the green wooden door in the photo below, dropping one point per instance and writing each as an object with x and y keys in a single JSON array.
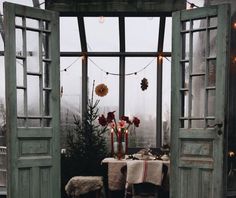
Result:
[
  {"x": 33, "y": 101},
  {"x": 199, "y": 80}
]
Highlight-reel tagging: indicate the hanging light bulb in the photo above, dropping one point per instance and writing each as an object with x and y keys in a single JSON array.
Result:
[{"x": 101, "y": 19}]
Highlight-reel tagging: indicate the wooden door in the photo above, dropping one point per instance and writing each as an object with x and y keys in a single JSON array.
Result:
[
  {"x": 199, "y": 95},
  {"x": 32, "y": 101}
]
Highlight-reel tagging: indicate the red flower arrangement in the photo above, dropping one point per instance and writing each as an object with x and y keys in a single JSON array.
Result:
[
  {"x": 120, "y": 128},
  {"x": 123, "y": 124}
]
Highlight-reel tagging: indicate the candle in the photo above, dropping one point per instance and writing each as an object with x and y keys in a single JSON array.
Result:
[
  {"x": 126, "y": 141},
  {"x": 112, "y": 143}
]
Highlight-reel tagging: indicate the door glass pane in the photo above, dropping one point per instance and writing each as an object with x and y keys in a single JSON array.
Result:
[
  {"x": 198, "y": 96},
  {"x": 212, "y": 43},
  {"x": 18, "y": 21},
  {"x": 199, "y": 23},
  {"x": 33, "y": 95},
  {"x": 199, "y": 43},
  {"x": 211, "y": 73},
  {"x": 19, "y": 72},
  {"x": 213, "y": 21},
  {"x": 19, "y": 42},
  {"x": 185, "y": 75},
  {"x": 186, "y": 25},
  {"x": 185, "y": 41},
  {"x": 32, "y": 51},
  {"x": 211, "y": 103},
  {"x": 141, "y": 103},
  {"x": 32, "y": 23},
  {"x": 184, "y": 103},
  {"x": 20, "y": 102}
]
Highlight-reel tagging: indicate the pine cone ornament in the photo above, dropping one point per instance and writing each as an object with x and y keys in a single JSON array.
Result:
[{"x": 144, "y": 84}]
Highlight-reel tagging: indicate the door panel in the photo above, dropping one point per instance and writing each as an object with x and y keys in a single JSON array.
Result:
[
  {"x": 33, "y": 101},
  {"x": 199, "y": 69}
]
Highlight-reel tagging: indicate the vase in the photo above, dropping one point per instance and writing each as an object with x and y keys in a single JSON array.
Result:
[{"x": 119, "y": 150}]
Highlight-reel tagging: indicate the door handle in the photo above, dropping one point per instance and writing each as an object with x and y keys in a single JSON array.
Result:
[{"x": 218, "y": 126}]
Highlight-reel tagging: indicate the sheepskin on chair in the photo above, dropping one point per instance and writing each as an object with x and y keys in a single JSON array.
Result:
[{"x": 79, "y": 185}]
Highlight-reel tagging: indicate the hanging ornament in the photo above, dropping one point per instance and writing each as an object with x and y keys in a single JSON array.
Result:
[
  {"x": 101, "y": 90},
  {"x": 144, "y": 84}
]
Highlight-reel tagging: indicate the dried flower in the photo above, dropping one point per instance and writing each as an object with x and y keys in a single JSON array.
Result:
[
  {"x": 110, "y": 116},
  {"x": 101, "y": 90},
  {"x": 102, "y": 120},
  {"x": 122, "y": 124},
  {"x": 126, "y": 118},
  {"x": 136, "y": 121}
]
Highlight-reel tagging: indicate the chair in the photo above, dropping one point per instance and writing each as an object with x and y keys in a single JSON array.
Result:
[
  {"x": 84, "y": 186},
  {"x": 149, "y": 190}
]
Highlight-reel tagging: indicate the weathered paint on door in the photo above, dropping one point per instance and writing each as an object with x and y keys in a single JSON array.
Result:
[
  {"x": 32, "y": 101},
  {"x": 199, "y": 80}
]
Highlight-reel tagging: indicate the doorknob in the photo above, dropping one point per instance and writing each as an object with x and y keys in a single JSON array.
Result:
[{"x": 218, "y": 127}]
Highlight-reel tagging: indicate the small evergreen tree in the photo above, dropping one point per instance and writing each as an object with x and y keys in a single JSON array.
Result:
[{"x": 86, "y": 144}]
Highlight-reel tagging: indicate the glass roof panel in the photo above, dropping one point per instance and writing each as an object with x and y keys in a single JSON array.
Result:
[
  {"x": 102, "y": 33},
  {"x": 168, "y": 35},
  {"x": 141, "y": 34},
  {"x": 69, "y": 34}
]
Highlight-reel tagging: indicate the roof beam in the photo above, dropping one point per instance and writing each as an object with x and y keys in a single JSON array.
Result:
[
  {"x": 82, "y": 33},
  {"x": 115, "y": 7}
]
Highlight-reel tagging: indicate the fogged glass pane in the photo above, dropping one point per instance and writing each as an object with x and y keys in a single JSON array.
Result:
[
  {"x": 166, "y": 87},
  {"x": 142, "y": 33},
  {"x": 46, "y": 74},
  {"x": 211, "y": 102},
  {"x": 46, "y": 25},
  {"x": 186, "y": 25},
  {"x": 197, "y": 123},
  {"x": 21, "y": 122},
  {"x": 184, "y": 103},
  {"x": 46, "y": 122},
  {"x": 46, "y": 103},
  {"x": 199, "y": 43},
  {"x": 212, "y": 43},
  {"x": 185, "y": 44},
  {"x": 198, "y": 96},
  {"x": 107, "y": 33},
  {"x": 20, "y": 102},
  {"x": 32, "y": 23},
  {"x": 19, "y": 72},
  {"x": 199, "y": 23},
  {"x": 33, "y": 123},
  {"x": 184, "y": 124},
  {"x": 18, "y": 21},
  {"x": 32, "y": 51},
  {"x": 71, "y": 88},
  {"x": 168, "y": 35},
  {"x": 69, "y": 34},
  {"x": 213, "y": 21},
  {"x": 45, "y": 46},
  {"x": 185, "y": 75},
  {"x": 211, "y": 73},
  {"x": 141, "y": 103},
  {"x": 33, "y": 95},
  {"x": 19, "y": 42},
  {"x": 110, "y": 101}
]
